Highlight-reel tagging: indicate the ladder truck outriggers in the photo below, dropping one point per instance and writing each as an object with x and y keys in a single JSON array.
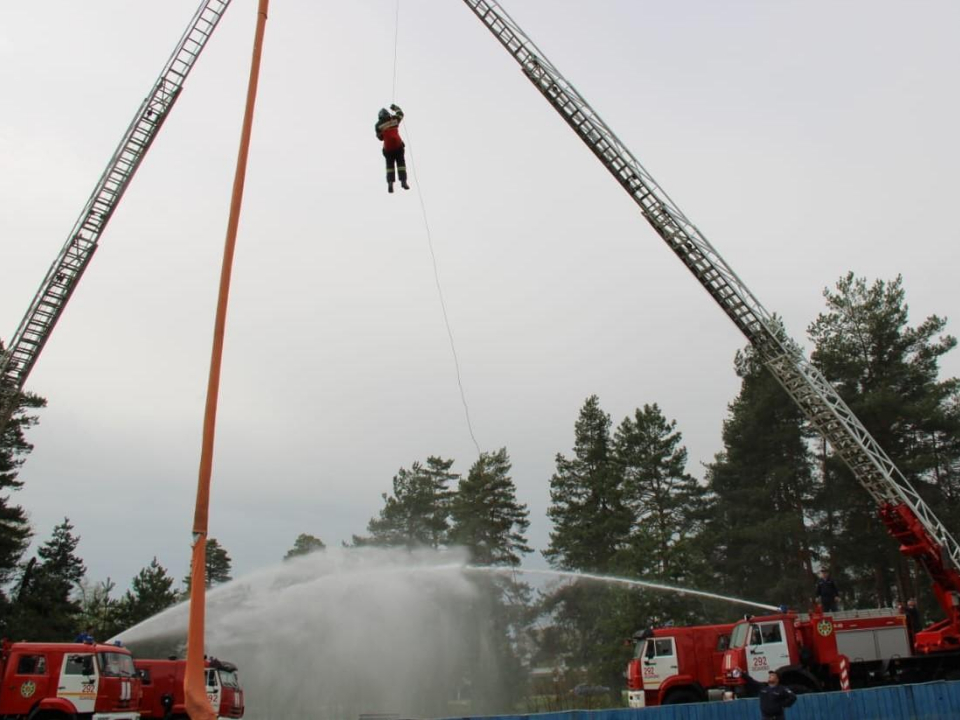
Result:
[
  {"x": 19, "y": 357},
  {"x": 905, "y": 514}
]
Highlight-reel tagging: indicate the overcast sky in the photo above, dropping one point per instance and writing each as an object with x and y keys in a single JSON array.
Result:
[{"x": 805, "y": 139}]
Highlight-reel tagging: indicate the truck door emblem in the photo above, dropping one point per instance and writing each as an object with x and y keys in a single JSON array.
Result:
[
  {"x": 825, "y": 627},
  {"x": 28, "y": 689}
]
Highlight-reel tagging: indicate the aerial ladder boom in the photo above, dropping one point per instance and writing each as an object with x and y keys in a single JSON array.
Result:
[
  {"x": 61, "y": 280},
  {"x": 908, "y": 518}
]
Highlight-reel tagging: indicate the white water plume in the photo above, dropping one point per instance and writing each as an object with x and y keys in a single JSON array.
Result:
[
  {"x": 346, "y": 632},
  {"x": 612, "y": 579},
  {"x": 342, "y": 632}
]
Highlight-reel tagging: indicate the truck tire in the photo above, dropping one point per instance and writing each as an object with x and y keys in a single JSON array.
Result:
[
  {"x": 681, "y": 696},
  {"x": 50, "y": 715}
]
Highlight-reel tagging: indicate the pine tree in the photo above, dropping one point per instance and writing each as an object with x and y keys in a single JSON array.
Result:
[
  {"x": 99, "y": 612},
  {"x": 944, "y": 452},
  {"x": 487, "y": 519},
  {"x": 658, "y": 492},
  {"x": 218, "y": 564},
  {"x": 151, "y": 592},
  {"x": 589, "y": 518},
  {"x": 45, "y": 608},
  {"x": 15, "y": 530},
  {"x": 887, "y": 372},
  {"x": 605, "y": 514},
  {"x": 304, "y": 545},
  {"x": 666, "y": 506},
  {"x": 418, "y": 511},
  {"x": 761, "y": 484}
]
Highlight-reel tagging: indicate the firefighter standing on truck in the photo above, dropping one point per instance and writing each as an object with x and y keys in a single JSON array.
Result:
[
  {"x": 826, "y": 591},
  {"x": 388, "y": 130}
]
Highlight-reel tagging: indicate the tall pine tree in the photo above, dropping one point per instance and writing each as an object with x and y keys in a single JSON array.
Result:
[
  {"x": 15, "y": 530},
  {"x": 150, "y": 592},
  {"x": 417, "y": 513},
  {"x": 486, "y": 517},
  {"x": 46, "y": 607},
  {"x": 590, "y": 521},
  {"x": 660, "y": 495},
  {"x": 304, "y": 545},
  {"x": 887, "y": 372},
  {"x": 761, "y": 485},
  {"x": 666, "y": 506},
  {"x": 218, "y": 564}
]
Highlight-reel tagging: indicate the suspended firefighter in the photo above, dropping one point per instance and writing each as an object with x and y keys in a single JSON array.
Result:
[{"x": 388, "y": 130}]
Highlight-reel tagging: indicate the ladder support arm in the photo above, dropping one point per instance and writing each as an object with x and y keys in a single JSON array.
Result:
[
  {"x": 61, "y": 279},
  {"x": 819, "y": 401}
]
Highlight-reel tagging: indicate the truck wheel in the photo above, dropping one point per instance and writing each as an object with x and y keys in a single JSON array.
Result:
[
  {"x": 680, "y": 697},
  {"x": 50, "y": 715}
]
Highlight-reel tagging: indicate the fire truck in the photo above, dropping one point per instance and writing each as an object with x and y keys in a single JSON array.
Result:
[
  {"x": 163, "y": 688},
  {"x": 833, "y": 651},
  {"x": 676, "y": 665},
  {"x": 64, "y": 681},
  {"x": 907, "y": 516}
]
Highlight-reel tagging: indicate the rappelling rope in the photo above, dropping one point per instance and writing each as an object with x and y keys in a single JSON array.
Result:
[
  {"x": 396, "y": 38},
  {"x": 433, "y": 255},
  {"x": 443, "y": 304}
]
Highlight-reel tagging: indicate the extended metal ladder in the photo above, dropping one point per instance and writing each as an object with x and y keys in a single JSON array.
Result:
[
  {"x": 20, "y": 356},
  {"x": 822, "y": 405}
]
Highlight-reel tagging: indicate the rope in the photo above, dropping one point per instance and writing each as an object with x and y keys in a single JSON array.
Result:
[
  {"x": 396, "y": 37},
  {"x": 443, "y": 304},
  {"x": 433, "y": 255}
]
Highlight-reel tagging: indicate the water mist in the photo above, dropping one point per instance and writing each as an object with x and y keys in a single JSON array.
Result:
[{"x": 344, "y": 632}]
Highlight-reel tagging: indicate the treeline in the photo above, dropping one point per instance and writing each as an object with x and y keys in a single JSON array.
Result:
[
  {"x": 774, "y": 506},
  {"x": 771, "y": 508}
]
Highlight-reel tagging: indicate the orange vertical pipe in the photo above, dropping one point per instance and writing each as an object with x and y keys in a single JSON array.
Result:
[{"x": 197, "y": 704}]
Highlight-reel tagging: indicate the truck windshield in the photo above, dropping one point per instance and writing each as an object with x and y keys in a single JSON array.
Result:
[
  {"x": 643, "y": 649},
  {"x": 229, "y": 679},
  {"x": 738, "y": 638},
  {"x": 116, "y": 664}
]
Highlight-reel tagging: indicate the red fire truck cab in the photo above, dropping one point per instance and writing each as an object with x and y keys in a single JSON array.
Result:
[
  {"x": 676, "y": 664},
  {"x": 163, "y": 688},
  {"x": 63, "y": 681},
  {"x": 840, "y": 650}
]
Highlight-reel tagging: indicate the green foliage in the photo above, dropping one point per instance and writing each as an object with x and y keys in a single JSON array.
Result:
[
  {"x": 761, "y": 485},
  {"x": 486, "y": 517},
  {"x": 590, "y": 521},
  {"x": 304, "y": 545},
  {"x": 628, "y": 507},
  {"x": 151, "y": 592},
  {"x": 658, "y": 493},
  {"x": 45, "y": 608},
  {"x": 218, "y": 564},
  {"x": 887, "y": 372},
  {"x": 418, "y": 511},
  {"x": 100, "y": 614},
  {"x": 15, "y": 530}
]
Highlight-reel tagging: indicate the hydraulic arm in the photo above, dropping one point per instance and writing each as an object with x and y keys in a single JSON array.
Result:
[
  {"x": 61, "y": 280},
  {"x": 906, "y": 515}
]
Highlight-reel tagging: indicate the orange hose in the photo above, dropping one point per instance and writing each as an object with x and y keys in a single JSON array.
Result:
[{"x": 197, "y": 705}]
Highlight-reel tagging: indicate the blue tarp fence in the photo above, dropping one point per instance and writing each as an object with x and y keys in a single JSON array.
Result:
[{"x": 928, "y": 701}]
